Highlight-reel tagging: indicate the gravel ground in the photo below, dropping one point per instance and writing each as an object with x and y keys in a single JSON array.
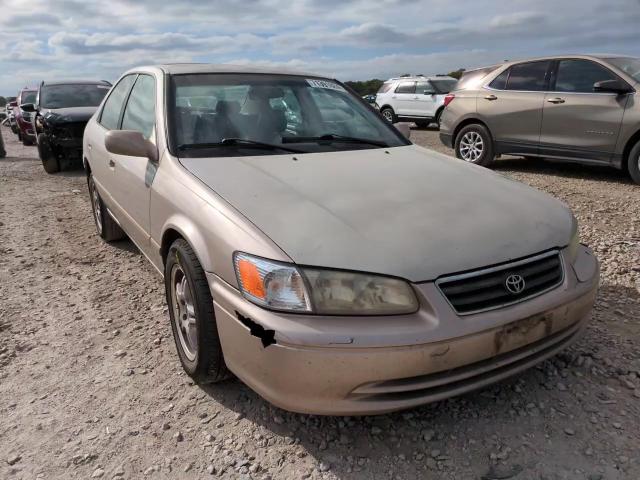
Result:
[{"x": 90, "y": 384}]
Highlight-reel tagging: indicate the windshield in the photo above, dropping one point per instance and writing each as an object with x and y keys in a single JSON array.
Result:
[
  {"x": 629, "y": 65},
  {"x": 73, "y": 95},
  {"x": 270, "y": 114},
  {"x": 28, "y": 97},
  {"x": 444, "y": 85}
]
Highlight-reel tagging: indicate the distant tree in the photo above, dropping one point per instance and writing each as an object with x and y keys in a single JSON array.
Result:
[
  {"x": 3, "y": 101},
  {"x": 366, "y": 87},
  {"x": 456, "y": 73}
]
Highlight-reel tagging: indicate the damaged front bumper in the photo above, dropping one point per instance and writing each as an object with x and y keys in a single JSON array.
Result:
[{"x": 361, "y": 365}]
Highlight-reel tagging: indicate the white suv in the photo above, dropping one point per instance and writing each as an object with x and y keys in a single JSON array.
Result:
[{"x": 416, "y": 99}]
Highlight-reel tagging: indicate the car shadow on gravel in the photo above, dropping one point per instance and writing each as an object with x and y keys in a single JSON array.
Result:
[{"x": 562, "y": 169}]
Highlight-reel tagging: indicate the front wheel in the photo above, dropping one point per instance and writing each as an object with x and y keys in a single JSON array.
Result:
[
  {"x": 438, "y": 117},
  {"x": 633, "y": 163},
  {"x": 47, "y": 157},
  {"x": 474, "y": 145},
  {"x": 388, "y": 114},
  {"x": 193, "y": 320}
]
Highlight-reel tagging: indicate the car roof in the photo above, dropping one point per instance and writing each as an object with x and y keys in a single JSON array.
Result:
[
  {"x": 186, "y": 68},
  {"x": 75, "y": 82},
  {"x": 598, "y": 56},
  {"x": 421, "y": 77}
]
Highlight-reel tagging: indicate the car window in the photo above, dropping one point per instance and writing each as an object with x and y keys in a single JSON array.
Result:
[
  {"x": 406, "y": 87},
  {"x": 500, "y": 82},
  {"x": 339, "y": 115},
  {"x": 629, "y": 65},
  {"x": 422, "y": 87},
  {"x": 110, "y": 116},
  {"x": 444, "y": 85},
  {"x": 528, "y": 76},
  {"x": 473, "y": 78},
  {"x": 580, "y": 75},
  {"x": 28, "y": 97},
  {"x": 140, "y": 112},
  {"x": 385, "y": 87}
]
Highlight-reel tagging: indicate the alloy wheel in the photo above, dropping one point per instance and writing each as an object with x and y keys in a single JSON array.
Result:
[
  {"x": 471, "y": 147},
  {"x": 184, "y": 312},
  {"x": 388, "y": 115}
]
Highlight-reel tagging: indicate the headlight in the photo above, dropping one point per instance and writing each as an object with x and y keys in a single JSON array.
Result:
[
  {"x": 282, "y": 286},
  {"x": 574, "y": 243}
]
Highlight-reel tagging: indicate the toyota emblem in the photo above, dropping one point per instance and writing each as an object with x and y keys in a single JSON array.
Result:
[{"x": 514, "y": 284}]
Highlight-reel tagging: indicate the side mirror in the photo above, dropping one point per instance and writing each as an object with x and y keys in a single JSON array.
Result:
[
  {"x": 28, "y": 107},
  {"x": 612, "y": 86},
  {"x": 131, "y": 144},
  {"x": 404, "y": 129}
]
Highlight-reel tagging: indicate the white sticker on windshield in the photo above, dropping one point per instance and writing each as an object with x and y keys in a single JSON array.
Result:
[{"x": 325, "y": 84}]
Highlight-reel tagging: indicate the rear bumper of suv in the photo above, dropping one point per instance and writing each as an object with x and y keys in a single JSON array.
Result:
[
  {"x": 313, "y": 368},
  {"x": 446, "y": 139}
]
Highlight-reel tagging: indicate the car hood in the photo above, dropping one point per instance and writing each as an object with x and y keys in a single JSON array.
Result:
[
  {"x": 59, "y": 116},
  {"x": 404, "y": 211}
]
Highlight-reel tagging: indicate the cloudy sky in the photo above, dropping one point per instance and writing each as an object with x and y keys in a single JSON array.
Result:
[{"x": 348, "y": 39}]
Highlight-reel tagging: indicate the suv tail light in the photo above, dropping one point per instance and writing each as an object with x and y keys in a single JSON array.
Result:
[{"x": 448, "y": 99}]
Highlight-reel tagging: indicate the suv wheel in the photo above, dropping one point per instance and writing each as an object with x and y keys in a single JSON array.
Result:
[
  {"x": 423, "y": 124},
  {"x": 193, "y": 320},
  {"x": 387, "y": 113},
  {"x": 474, "y": 145},
  {"x": 48, "y": 159},
  {"x": 106, "y": 226},
  {"x": 633, "y": 163}
]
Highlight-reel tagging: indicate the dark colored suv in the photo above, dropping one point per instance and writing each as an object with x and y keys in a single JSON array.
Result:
[
  {"x": 62, "y": 111},
  {"x": 578, "y": 108}
]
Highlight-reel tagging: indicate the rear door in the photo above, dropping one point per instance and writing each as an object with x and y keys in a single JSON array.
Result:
[
  {"x": 403, "y": 98},
  {"x": 100, "y": 160},
  {"x": 578, "y": 122},
  {"x": 511, "y": 105},
  {"x": 133, "y": 175}
]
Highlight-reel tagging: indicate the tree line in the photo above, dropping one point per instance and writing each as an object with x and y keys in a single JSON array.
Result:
[{"x": 370, "y": 87}]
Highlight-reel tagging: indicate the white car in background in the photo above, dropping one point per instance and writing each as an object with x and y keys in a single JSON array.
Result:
[{"x": 416, "y": 99}]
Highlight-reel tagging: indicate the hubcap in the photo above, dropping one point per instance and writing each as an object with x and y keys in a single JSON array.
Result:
[
  {"x": 184, "y": 312},
  {"x": 471, "y": 147},
  {"x": 95, "y": 204},
  {"x": 388, "y": 115}
]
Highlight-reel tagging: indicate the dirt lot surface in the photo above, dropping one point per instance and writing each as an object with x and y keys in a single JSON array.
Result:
[{"x": 91, "y": 387}]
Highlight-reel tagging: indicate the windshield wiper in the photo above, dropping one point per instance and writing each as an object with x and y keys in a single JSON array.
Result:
[
  {"x": 236, "y": 141},
  {"x": 330, "y": 137}
]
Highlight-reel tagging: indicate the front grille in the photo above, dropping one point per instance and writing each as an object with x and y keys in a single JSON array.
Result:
[
  {"x": 71, "y": 130},
  {"x": 486, "y": 289}
]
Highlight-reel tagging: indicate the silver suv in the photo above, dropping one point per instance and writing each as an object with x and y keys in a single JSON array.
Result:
[
  {"x": 576, "y": 108},
  {"x": 416, "y": 99}
]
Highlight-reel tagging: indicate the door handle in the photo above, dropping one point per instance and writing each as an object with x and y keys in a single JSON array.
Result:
[
  {"x": 112, "y": 164},
  {"x": 555, "y": 100},
  {"x": 491, "y": 97}
]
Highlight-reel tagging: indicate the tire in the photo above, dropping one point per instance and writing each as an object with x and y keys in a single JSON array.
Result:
[
  {"x": 106, "y": 226},
  {"x": 27, "y": 142},
  {"x": 438, "y": 117},
  {"x": 19, "y": 136},
  {"x": 423, "y": 124},
  {"x": 475, "y": 145},
  {"x": 388, "y": 114},
  {"x": 47, "y": 157},
  {"x": 633, "y": 163},
  {"x": 195, "y": 334}
]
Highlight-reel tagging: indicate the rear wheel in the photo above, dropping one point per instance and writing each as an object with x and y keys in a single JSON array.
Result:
[
  {"x": 438, "y": 117},
  {"x": 633, "y": 163},
  {"x": 193, "y": 320},
  {"x": 49, "y": 161},
  {"x": 387, "y": 113},
  {"x": 106, "y": 226},
  {"x": 423, "y": 124},
  {"x": 474, "y": 145}
]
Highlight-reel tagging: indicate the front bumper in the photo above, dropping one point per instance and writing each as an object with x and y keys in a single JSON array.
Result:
[{"x": 364, "y": 365}]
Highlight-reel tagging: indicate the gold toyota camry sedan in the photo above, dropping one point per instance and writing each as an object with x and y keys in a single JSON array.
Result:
[{"x": 308, "y": 247}]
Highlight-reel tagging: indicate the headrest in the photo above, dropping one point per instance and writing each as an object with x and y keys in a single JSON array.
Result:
[{"x": 227, "y": 107}]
